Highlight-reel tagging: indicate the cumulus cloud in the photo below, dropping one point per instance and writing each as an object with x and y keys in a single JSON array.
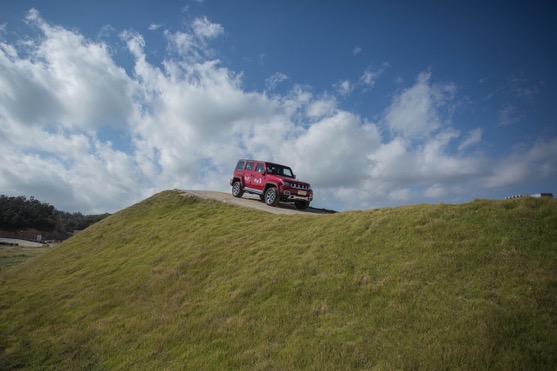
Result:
[
  {"x": 184, "y": 122},
  {"x": 65, "y": 78},
  {"x": 416, "y": 112},
  {"x": 205, "y": 29},
  {"x": 322, "y": 107},
  {"x": 333, "y": 150}
]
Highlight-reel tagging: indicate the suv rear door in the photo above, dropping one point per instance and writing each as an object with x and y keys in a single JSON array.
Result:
[
  {"x": 258, "y": 179},
  {"x": 248, "y": 174}
]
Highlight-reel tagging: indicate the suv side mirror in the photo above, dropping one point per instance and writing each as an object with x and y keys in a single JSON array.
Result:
[{"x": 264, "y": 172}]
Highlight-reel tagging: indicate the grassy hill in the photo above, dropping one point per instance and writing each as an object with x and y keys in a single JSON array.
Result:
[{"x": 178, "y": 282}]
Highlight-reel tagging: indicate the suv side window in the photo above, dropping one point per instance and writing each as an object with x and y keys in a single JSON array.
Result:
[
  {"x": 249, "y": 166},
  {"x": 259, "y": 168},
  {"x": 240, "y": 165}
]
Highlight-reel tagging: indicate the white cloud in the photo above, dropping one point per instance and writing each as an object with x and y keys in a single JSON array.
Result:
[
  {"x": 52, "y": 102},
  {"x": 436, "y": 191},
  {"x": 525, "y": 163},
  {"x": 416, "y": 112},
  {"x": 474, "y": 137},
  {"x": 185, "y": 121},
  {"x": 332, "y": 150},
  {"x": 182, "y": 42},
  {"x": 66, "y": 77},
  {"x": 370, "y": 75},
  {"x": 272, "y": 82},
  {"x": 344, "y": 87},
  {"x": 508, "y": 115},
  {"x": 319, "y": 108},
  {"x": 192, "y": 46},
  {"x": 204, "y": 29},
  {"x": 365, "y": 82},
  {"x": 368, "y": 78},
  {"x": 400, "y": 194}
]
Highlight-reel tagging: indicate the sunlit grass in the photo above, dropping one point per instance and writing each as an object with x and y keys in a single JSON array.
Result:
[{"x": 178, "y": 282}]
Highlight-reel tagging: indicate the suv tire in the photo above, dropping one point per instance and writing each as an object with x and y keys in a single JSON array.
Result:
[
  {"x": 237, "y": 190},
  {"x": 271, "y": 196}
]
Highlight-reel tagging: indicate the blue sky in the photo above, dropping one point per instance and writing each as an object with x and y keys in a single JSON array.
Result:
[{"x": 374, "y": 103}]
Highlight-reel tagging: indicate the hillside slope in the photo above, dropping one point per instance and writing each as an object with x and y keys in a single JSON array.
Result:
[{"x": 181, "y": 282}]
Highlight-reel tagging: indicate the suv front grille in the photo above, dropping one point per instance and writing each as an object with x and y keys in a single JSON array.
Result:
[{"x": 299, "y": 186}]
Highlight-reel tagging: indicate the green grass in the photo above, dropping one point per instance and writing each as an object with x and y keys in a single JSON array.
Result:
[
  {"x": 177, "y": 282},
  {"x": 11, "y": 256}
]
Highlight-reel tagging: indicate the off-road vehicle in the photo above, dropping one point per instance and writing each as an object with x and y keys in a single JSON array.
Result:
[{"x": 272, "y": 182}]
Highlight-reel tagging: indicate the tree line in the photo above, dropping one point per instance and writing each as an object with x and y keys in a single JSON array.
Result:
[{"x": 22, "y": 213}]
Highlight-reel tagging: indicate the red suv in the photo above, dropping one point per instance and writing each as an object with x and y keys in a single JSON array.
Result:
[{"x": 272, "y": 182}]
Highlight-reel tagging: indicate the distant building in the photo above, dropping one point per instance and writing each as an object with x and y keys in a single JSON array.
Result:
[
  {"x": 534, "y": 195},
  {"x": 543, "y": 195}
]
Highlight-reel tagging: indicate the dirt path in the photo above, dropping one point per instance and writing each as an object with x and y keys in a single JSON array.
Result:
[
  {"x": 253, "y": 202},
  {"x": 19, "y": 242}
]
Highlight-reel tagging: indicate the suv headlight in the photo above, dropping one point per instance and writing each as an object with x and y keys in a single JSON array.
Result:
[{"x": 287, "y": 184}]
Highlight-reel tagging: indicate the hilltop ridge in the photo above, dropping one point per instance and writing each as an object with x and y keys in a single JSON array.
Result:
[
  {"x": 184, "y": 282},
  {"x": 254, "y": 202}
]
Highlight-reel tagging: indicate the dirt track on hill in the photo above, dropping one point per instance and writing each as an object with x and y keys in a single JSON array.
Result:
[{"x": 253, "y": 201}]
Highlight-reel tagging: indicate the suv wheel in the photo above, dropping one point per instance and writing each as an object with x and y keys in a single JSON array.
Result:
[
  {"x": 271, "y": 196},
  {"x": 301, "y": 205},
  {"x": 237, "y": 190}
]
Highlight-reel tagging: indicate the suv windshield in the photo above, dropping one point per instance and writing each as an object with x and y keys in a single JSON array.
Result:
[{"x": 280, "y": 170}]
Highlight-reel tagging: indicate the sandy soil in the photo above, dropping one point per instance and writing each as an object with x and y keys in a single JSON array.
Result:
[{"x": 253, "y": 202}]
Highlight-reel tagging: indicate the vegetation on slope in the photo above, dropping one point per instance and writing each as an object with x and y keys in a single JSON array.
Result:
[
  {"x": 179, "y": 282},
  {"x": 22, "y": 213},
  {"x": 11, "y": 256}
]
